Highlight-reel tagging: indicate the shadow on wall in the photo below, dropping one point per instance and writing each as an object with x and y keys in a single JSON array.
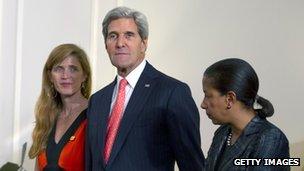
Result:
[{"x": 297, "y": 151}]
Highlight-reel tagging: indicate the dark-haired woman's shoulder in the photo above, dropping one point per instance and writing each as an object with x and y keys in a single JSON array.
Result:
[{"x": 272, "y": 143}]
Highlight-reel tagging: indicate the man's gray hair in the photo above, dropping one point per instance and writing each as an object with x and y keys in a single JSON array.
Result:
[{"x": 125, "y": 12}]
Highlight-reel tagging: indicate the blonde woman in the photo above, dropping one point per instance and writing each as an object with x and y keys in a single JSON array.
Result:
[{"x": 59, "y": 133}]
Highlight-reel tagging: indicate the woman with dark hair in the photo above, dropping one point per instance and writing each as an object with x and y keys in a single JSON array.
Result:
[
  {"x": 230, "y": 87},
  {"x": 59, "y": 133}
]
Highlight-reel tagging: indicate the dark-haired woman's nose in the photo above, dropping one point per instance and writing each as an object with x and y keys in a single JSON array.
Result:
[{"x": 203, "y": 105}]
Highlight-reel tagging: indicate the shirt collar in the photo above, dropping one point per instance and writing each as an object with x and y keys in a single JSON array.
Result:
[{"x": 134, "y": 75}]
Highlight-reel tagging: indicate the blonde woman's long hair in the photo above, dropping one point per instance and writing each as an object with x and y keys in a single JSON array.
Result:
[{"x": 49, "y": 103}]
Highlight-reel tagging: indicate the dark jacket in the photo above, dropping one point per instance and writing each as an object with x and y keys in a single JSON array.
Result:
[
  {"x": 260, "y": 140},
  {"x": 160, "y": 125}
]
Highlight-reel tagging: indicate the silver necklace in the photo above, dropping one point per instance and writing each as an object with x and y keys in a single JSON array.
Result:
[{"x": 229, "y": 139}]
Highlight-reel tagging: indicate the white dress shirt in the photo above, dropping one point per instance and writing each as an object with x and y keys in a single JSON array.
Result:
[{"x": 132, "y": 79}]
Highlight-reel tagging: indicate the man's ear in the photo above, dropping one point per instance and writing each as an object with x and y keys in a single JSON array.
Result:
[
  {"x": 144, "y": 45},
  {"x": 230, "y": 99}
]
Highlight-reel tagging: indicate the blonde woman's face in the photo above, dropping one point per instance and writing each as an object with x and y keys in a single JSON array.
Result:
[{"x": 68, "y": 76}]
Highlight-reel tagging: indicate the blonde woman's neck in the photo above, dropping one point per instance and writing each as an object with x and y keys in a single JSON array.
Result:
[{"x": 73, "y": 104}]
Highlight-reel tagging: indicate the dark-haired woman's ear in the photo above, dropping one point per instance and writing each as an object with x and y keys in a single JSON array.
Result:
[
  {"x": 230, "y": 99},
  {"x": 229, "y": 106}
]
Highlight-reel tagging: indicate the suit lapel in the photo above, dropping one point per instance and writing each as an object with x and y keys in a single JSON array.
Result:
[
  {"x": 217, "y": 149},
  {"x": 235, "y": 151},
  {"x": 137, "y": 100},
  {"x": 240, "y": 146},
  {"x": 103, "y": 111}
]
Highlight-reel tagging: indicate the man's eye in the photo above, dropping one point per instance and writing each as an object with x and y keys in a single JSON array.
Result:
[
  {"x": 129, "y": 35},
  {"x": 112, "y": 36}
]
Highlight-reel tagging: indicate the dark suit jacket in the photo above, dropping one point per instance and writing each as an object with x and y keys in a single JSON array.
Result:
[
  {"x": 160, "y": 125},
  {"x": 260, "y": 139}
]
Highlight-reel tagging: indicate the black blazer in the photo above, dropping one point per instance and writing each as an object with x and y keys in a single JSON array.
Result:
[
  {"x": 260, "y": 139},
  {"x": 160, "y": 125}
]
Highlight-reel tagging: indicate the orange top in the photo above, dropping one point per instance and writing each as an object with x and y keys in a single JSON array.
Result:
[{"x": 72, "y": 156}]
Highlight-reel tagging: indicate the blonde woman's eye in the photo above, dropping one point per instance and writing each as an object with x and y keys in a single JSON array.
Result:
[
  {"x": 57, "y": 69},
  {"x": 73, "y": 69}
]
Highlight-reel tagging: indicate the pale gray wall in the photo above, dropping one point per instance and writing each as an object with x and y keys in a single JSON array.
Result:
[
  {"x": 185, "y": 38},
  {"x": 7, "y": 62}
]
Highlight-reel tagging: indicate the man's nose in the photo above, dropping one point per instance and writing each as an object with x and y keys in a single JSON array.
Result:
[{"x": 120, "y": 41}]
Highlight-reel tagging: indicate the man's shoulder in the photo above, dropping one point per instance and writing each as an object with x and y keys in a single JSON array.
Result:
[
  {"x": 103, "y": 90},
  {"x": 169, "y": 81}
]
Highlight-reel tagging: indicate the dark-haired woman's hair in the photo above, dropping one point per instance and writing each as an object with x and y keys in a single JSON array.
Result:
[{"x": 237, "y": 75}]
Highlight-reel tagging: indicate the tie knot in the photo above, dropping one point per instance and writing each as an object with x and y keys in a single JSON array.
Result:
[{"x": 123, "y": 83}]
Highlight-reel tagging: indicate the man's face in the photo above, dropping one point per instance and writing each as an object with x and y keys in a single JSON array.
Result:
[{"x": 124, "y": 45}]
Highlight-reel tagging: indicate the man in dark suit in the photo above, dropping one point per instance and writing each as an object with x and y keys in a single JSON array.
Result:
[{"x": 143, "y": 120}]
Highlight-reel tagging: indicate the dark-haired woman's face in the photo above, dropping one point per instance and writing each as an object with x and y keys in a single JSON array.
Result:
[{"x": 214, "y": 103}]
